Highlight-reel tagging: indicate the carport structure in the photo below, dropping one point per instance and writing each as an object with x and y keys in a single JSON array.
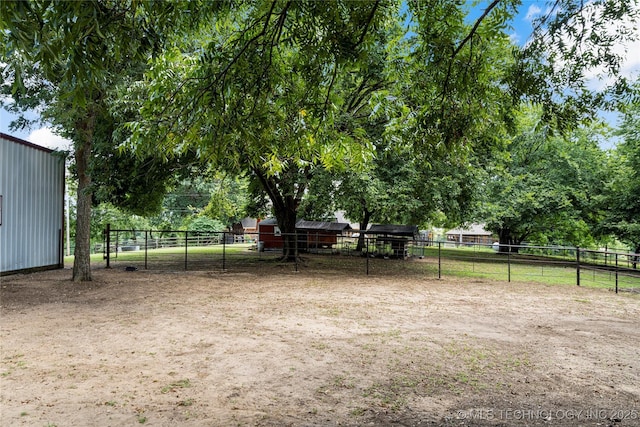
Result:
[{"x": 394, "y": 237}]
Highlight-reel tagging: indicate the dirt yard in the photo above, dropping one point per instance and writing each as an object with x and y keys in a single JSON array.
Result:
[{"x": 274, "y": 348}]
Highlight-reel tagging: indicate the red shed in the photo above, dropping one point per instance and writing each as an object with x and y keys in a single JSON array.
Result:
[
  {"x": 269, "y": 234},
  {"x": 311, "y": 234},
  {"x": 319, "y": 234}
]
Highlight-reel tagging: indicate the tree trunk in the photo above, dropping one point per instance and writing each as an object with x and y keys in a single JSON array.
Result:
[
  {"x": 507, "y": 242},
  {"x": 82, "y": 255},
  {"x": 285, "y": 194},
  {"x": 287, "y": 218},
  {"x": 363, "y": 226}
]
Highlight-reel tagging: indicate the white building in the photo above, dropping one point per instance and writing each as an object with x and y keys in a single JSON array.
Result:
[
  {"x": 474, "y": 233},
  {"x": 31, "y": 206}
]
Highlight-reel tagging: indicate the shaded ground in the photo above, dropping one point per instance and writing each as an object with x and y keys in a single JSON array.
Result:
[{"x": 273, "y": 348}]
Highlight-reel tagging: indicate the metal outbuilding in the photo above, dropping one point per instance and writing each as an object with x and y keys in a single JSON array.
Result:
[
  {"x": 32, "y": 181},
  {"x": 395, "y": 236}
]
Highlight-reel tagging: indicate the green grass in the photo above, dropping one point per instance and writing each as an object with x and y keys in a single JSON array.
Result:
[
  {"x": 536, "y": 271},
  {"x": 464, "y": 261},
  {"x": 176, "y": 385}
]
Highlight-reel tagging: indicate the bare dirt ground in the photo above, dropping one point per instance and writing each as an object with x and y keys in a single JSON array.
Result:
[{"x": 274, "y": 348}]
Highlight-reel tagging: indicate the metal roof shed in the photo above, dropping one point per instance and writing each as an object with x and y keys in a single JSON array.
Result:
[
  {"x": 322, "y": 226},
  {"x": 319, "y": 234},
  {"x": 393, "y": 230},
  {"x": 31, "y": 206},
  {"x": 393, "y": 236}
]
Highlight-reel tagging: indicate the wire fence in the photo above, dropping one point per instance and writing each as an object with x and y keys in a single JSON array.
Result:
[{"x": 381, "y": 255}]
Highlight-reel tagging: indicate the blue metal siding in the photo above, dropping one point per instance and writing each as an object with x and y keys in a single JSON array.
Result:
[{"x": 32, "y": 189}]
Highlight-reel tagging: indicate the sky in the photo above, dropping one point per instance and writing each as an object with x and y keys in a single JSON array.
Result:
[{"x": 521, "y": 30}]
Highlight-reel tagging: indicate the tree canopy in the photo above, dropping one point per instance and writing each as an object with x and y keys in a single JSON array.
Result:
[
  {"x": 620, "y": 200},
  {"x": 397, "y": 93},
  {"x": 543, "y": 188}
]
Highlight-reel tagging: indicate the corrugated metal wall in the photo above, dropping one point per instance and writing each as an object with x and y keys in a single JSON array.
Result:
[{"x": 32, "y": 190}]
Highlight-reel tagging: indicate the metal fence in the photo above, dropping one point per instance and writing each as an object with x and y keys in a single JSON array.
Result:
[{"x": 369, "y": 255}]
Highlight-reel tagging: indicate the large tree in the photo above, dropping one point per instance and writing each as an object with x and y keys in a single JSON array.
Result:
[
  {"x": 279, "y": 90},
  {"x": 64, "y": 57},
  {"x": 543, "y": 188},
  {"x": 620, "y": 201},
  {"x": 275, "y": 89},
  {"x": 268, "y": 90}
]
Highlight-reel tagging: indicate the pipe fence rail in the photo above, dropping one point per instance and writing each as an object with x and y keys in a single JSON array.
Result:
[{"x": 174, "y": 250}]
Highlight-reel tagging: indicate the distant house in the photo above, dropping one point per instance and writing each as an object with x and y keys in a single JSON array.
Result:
[
  {"x": 340, "y": 216},
  {"x": 32, "y": 182},
  {"x": 475, "y": 233},
  {"x": 246, "y": 226},
  {"x": 249, "y": 225}
]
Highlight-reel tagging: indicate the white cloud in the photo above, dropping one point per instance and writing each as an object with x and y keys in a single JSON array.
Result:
[
  {"x": 532, "y": 13},
  {"x": 626, "y": 48},
  {"x": 46, "y": 138}
]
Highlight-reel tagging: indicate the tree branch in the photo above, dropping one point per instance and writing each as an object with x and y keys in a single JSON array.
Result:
[
  {"x": 475, "y": 28},
  {"x": 459, "y": 48},
  {"x": 368, "y": 23}
]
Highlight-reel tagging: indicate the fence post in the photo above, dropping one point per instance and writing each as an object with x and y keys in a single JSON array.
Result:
[
  {"x": 439, "y": 261},
  {"x": 224, "y": 250},
  {"x": 146, "y": 247},
  {"x": 295, "y": 252},
  {"x": 367, "y": 255},
  {"x": 108, "y": 233},
  {"x": 186, "y": 248},
  {"x": 578, "y": 265},
  {"x": 509, "y": 265},
  {"x": 616, "y": 273}
]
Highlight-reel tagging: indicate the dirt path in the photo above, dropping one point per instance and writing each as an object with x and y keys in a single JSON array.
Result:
[{"x": 272, "y": 349}]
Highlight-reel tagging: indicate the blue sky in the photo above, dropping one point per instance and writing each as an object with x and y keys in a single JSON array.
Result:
[{"x": 521, "y": 31}]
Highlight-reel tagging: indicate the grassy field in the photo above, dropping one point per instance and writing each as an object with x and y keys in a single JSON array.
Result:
[{"x": 430, "y": 262}]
